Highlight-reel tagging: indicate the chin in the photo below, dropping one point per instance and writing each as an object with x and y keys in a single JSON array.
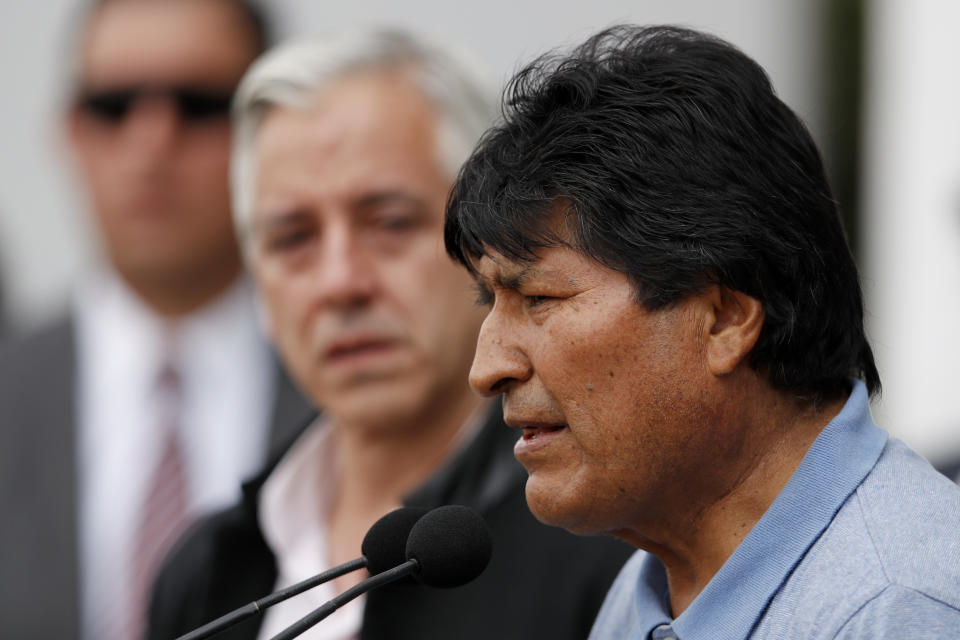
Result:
[
  {"x": 557, "y": 505},
  {"x": 378, "y": 406},
  {"x": 374, "y": 413}
]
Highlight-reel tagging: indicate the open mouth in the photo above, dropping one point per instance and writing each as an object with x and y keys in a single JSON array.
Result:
[{"x": 532, "y": 433}]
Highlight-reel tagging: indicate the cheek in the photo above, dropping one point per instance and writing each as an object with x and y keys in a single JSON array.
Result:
[
  {"x": 611, "y": 391},
  {"x": 284, "y": 300},
  {"x": 100, "y": 177},
  {"x": 206, "y": 180},
  {"x": 433, "y": 295},
  {"x": 208, "y": 148},
  {"x": 588, "y": 366}
]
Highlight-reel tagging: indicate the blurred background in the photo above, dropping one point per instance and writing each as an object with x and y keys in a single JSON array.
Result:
[{"x": 875, "y": 81}]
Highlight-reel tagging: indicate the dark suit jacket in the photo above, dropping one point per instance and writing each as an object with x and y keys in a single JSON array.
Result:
[
  {"x": 39, "y": 575},
  {"x": 542, "y": 582},
  {"x": 951, "y": 469}
]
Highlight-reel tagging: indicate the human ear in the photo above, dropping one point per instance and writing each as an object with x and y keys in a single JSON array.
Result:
[{"x": 734, "y": 325}]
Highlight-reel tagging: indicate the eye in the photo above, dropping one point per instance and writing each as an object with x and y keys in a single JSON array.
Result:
[
  {"x": 287, "y": 239},
  {"x": 395, "y": 221},
  {"x": 535, "y": 301},
  {"x": 398, "y": 223}
]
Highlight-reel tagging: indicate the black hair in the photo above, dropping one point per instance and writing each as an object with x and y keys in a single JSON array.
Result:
[{"x": 675, "y": 163}]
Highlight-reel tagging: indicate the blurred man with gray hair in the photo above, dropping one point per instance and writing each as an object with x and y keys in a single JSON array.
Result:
[{"x": 345, "y": 151}]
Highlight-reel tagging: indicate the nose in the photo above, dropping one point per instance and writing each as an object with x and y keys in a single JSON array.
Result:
[
  {"x": 499, "y": 361},
  {"x": 152, "y": 125},
  {"x": 345, "y": 276}
]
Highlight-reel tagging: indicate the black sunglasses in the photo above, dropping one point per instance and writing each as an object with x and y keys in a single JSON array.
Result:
[{"x": 194, "y": 105}]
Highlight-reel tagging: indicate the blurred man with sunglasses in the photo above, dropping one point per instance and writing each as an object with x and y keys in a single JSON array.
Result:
[{"x": 156, "y": 396}]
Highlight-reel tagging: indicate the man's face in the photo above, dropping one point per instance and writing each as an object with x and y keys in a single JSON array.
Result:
[
  {"x": 156, "y": 168},
  {"x": 607, "y": 394},
  {"x": 371, "y": 316}
]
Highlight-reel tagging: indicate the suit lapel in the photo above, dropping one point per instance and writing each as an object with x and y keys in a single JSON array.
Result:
[{"x": 289, "y": 414}]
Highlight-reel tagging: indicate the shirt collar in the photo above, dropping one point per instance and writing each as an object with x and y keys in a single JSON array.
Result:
[
  {"x": 296, "y": 496},
  {"x": 834, "y": 466},
  {"x": 130, "y": 340}
]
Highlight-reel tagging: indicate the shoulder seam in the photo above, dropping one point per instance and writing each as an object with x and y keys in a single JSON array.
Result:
[
  {"x": 859, "y": 609},
  {"x": 890, "y": 586},
  {"x": 865, "y": 515}
]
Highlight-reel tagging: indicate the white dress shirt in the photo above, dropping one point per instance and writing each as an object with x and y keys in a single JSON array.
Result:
[{"x": 227, "y": 383}]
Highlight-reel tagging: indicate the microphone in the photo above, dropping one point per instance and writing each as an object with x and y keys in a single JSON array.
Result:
[
  {"x": 447, "y": 547},
  {"x": 451, "y": 546},
  {"x": 384, "y": 546}
]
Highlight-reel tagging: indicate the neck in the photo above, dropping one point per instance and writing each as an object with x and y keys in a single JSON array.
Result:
[
  {"x": 380, "y": 467},
  {"x": 178, "y": 295},
  {"x": 770, "y": 445}
]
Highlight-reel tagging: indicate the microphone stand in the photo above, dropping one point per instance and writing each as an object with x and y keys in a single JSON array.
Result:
[
  {"x": 255, "y": 607},
  {"x": 407, "y": 568}
]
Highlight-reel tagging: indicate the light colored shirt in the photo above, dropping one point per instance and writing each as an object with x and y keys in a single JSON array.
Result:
[
  {"x": 862, "y": 543},
  {"x": 227, "y": 386},
  {"x": 294, "y": 504},
  {"x": 293, "y": 514}
]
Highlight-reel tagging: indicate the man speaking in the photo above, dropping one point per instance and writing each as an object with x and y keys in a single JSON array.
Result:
[{"x": 675, "y": 325}]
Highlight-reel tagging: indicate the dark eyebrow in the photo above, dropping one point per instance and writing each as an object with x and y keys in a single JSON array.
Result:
[
  {"x": 280, "y": 221},
  {"x": 514, "y": 280},
  {"x": 375, "y": 199},
  {"x": 484, "y": 296},
  {"x": 386, "y": 197},
  {"x": 511, "y": 281}
]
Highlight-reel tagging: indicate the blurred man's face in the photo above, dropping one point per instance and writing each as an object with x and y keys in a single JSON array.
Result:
[
  {"x": 150, "y": 132},
  {"x": 369, "y": 313}
]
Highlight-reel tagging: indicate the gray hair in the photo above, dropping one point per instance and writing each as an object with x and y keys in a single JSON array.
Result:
[{"x": 290, "y": 75}]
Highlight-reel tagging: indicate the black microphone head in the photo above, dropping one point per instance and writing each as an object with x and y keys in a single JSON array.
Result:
[
  {"x": 385, "y": 545},
  {"x": 452, "y": 545}
]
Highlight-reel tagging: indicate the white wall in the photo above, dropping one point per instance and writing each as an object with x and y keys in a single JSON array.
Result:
[
  {"x": 912, "y": 158},
  {"x": 912, "y": 195},
  {"x": 912, "y": 224},
  {"x": 43, "y": 237}
]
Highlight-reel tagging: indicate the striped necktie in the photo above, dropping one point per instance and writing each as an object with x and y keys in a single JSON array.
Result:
[{"x": 164, "y": 512}]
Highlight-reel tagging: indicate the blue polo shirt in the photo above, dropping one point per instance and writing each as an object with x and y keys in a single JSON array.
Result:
[{"x": 863, "y": 542}]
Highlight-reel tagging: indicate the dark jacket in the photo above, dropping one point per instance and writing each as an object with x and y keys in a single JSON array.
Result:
[
  {"x": 951, "y": 469},
  {"x": 542, "y": 582},
  {"x": 39, "y": 563}
]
